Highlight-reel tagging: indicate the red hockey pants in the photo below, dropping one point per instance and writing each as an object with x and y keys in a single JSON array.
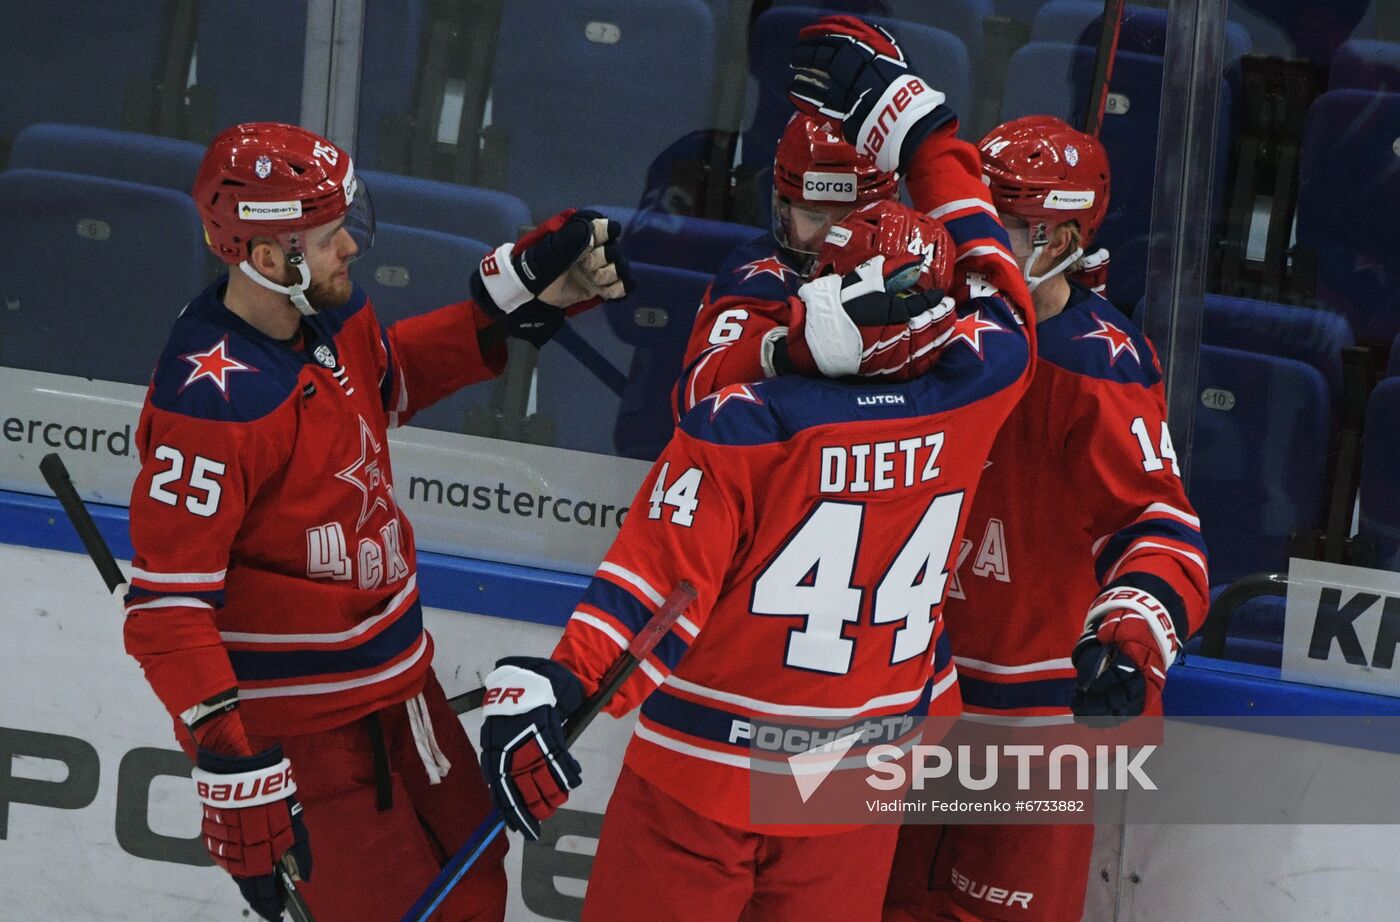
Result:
[
  {"x": 370, "y": 863},
  {"x": 658, "y": 860}
]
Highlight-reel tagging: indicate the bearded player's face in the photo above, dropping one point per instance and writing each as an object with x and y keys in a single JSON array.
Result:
[{"x": 329, "y": 249}]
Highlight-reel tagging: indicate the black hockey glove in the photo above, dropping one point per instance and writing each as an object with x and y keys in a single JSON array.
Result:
[
  {"x": 568, "y": 264},
  {"x": 847, "y": 69}
]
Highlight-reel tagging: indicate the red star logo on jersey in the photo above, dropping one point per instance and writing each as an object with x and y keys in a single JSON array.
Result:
[
  {"x": 969, "y": 329},
  {"x": 1118, "y": 341},
  {"x": 733, "y": 392},
  {"x": 368, "y": 475},
  {"x": 215, "y": 364},
  {"x": 768, "y": 265}
]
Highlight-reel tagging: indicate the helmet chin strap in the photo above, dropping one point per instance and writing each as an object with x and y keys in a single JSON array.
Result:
[
  {"x": 1038, "y": 244},
  {"x": 296, "y": 292}
]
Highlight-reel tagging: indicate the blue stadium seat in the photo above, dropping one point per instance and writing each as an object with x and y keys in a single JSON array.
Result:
[
  {"x": 250, "y": 55},
  {"x": 1255, "y": 631},
  {"x": 1380, "y": 487},
  {"x": 1313, "y": 337},
  {"x": 1310, "y": 29},
  {"x": 1348, "y": 196},
  {"x": 410, "y": 271},
  {"x": 93, "y": 272},
  {"x": 1078, "y": 22},
  {"x": 1366, "y": 64},
  {"x": 962, "y": 18},
  {"x": 72, "y": 61},
  {"x": 1259, "y": 461},
  {"x": 465, "y": 211},
  {"x": 1055, "y": 79},
  {"x": 586, "y": 93},
  {"x": 935, "y": 54},
  {"x": 606, "y": 378},
  {"x": 696, "y": 244},
  {"x": 152, "y": 161}
]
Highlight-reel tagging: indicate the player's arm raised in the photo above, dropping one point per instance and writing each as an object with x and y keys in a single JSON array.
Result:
[
  {"x": 525, "y": 290},
  {"x": 682, "y": 525},
  {"x": 855, "y": 71},
  {"x": 1150, "y": 558}
]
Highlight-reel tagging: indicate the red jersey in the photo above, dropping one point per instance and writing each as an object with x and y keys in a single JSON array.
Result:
[
  {"x": 1082, "y": 492},
  {"x": 749, "y": 295},
  {"x": 817, "y": 521},
  {"x": 271, "y": 555}
]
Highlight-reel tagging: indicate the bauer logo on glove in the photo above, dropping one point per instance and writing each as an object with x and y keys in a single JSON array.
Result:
[{"x": 527, "y": 764}]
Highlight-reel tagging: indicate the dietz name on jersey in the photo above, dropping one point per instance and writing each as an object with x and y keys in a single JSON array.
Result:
[{"x": 873, "y": 467}]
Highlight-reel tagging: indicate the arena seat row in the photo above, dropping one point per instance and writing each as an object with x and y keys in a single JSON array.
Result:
[
  {"x": 1256, "y": 628},
  {"x": 81, "y": 208}
]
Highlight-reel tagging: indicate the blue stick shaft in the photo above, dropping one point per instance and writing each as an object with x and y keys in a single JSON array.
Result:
[
  {"x": 642, "y": 644},
  {"x": 456, "y": 868}
]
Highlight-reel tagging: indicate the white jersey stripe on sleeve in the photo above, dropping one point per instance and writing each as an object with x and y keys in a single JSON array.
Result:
[
  {"x": 633, "y": 580},
  {"x": 169, "y": 601},
  {"x": 963, "y": 204},
  {"x": 1142, "y": 545},
  {"x": 989, "y": 250},
  {"x": 602, "y": 626},
  {"x": 177, "y": 579},
  {"x": 1172, "y": 511}
]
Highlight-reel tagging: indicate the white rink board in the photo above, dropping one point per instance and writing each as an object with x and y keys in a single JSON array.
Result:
[{"x": 63, "y": 672}]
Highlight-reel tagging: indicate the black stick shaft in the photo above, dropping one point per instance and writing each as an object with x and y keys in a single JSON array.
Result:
[
  {"x": 56, "y": 476},
  {"x": 1103, "y": 66}
]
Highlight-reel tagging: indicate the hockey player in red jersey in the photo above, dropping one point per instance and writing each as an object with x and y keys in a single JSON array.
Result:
[
  {"x": 816, "y": 519},
  {"x": 740, "y": 332},
  {"x": 273, "y": 603},
  {"x": 1075, "y": 588}
]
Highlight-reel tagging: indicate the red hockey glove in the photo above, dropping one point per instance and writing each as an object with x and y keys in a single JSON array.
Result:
[
  {"x": 847, "y": 69},
  {"x": 563, "y": 267},
  {"x": 523, "y": 756},
  {"x": 251, "y": 819},
  {"x": 850, "y": 325},
  {"x": 1122, "y": 657}
]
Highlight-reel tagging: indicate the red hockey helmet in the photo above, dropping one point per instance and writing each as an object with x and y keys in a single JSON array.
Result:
[
  {"x": 1043, "y": 171},
  {"x": 815, "y": 164},
  {"x": 816, "y": 176},
  {"x": 901, "y": 235},
  {"x": 265, "y": 179}
]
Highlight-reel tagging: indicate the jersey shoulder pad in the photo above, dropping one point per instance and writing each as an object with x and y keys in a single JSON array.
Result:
[
  {"x": 739, "y": 414},
  {"x": 1091, "y": 337},
  {"x": 217, "y": 367},
  {"x": 759, "y": 270},
  {"x": 781, "y": 408}
]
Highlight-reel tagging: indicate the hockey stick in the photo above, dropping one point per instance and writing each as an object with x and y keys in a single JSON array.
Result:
[
  {"x": 56, "y": 475},
  {"x": 622, "y": 668},
  {"x": 1103, "y": 66},
  {"x": 467, "y": 701}
]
